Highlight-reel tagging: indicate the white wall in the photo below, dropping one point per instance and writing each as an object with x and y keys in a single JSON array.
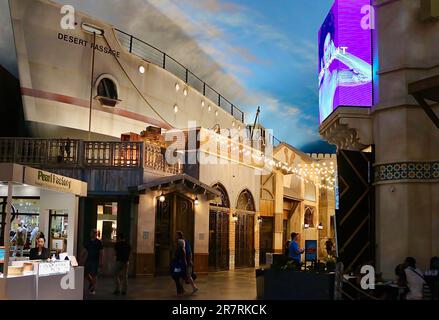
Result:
[{"x": 235, "y": 178}]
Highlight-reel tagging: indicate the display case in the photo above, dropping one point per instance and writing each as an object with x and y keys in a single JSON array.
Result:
[{"x": 43, "y": 280}]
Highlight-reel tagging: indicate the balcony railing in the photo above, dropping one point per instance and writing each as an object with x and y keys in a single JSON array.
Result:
[
  {"x": 153, "y": 55},
  {"x": 155, "y": 159},
  {"x": 71, "y": 153}
]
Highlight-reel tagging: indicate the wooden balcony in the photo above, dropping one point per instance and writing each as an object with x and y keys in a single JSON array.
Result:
[{"x": 72, "y": 153}]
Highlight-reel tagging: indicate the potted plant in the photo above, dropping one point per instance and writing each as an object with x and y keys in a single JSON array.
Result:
[{"x": 331, "y": 264}]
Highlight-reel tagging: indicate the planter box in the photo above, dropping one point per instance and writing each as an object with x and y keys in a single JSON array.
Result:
[{"x": 273, "y": 284}]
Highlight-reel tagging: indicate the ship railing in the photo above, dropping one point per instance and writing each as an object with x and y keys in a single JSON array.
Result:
[{"x": 153, "y": 55}]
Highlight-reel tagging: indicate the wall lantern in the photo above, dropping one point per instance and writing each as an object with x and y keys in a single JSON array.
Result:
[
  {"x": 235, "y": 217},
  {"x": 196, "y": 201},
  {"x": 306, "y": 226},
  {"x": 162, "y": 197},
  {"x": 142, "y": 69},
  {"x": 259, "y": 220},
  {"x": 320, "y": 227}
]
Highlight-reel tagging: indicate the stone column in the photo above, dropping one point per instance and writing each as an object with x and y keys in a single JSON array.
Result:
[
  {"x": 278, "y": 212},
  {"x": 257, "y": 228},
  {"x": 145, "y": 259}
]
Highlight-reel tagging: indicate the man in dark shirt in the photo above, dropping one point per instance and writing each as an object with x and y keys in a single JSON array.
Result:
[
  {"x": 92, "y": 255},
  {"x": 329, "y": 246},
  {"x": 123, "y": 250}
]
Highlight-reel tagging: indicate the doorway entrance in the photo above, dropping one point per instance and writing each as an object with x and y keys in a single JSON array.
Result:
[
  {"x": 245, "y": 231},
  {"x": 174, "y": 214},
  {"x": 244, "y": 241},
  {"x": 218, "y": 240},
  {"x": 219, "y": 230},
  {"x": 266, "y": 238}
]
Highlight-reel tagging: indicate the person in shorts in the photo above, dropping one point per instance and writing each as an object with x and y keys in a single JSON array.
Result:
[{"x": 92, "y": 255}]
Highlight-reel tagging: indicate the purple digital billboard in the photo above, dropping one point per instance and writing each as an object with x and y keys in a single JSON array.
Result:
[{"x": 345, "y": 57}]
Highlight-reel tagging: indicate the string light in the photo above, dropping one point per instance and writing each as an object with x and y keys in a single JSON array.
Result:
[{"x": 322, "y": 173}]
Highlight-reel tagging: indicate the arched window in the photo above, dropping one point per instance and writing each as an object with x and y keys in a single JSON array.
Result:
[
  {"x": 224, "y": 200},
  {"x": 245, "y": 201},
  {"x": 107, "y": 89},
  {"x": 309, "y": 216}
]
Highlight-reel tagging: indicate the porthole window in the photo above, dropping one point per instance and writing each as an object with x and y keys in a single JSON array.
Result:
[{"x": 107, "y": 89}]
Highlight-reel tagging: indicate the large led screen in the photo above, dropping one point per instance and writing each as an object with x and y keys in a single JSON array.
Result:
[{"x": 345, "y": 58}]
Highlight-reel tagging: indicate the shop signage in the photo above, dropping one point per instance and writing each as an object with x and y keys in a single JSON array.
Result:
[
  {"x": 84, "y": 43},
  {"x": 41, "y": 178},
  {"x": 52, "y": 268}
]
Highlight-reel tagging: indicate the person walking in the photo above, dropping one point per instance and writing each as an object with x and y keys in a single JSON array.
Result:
[
  {"x": 189, "y": 262},
  {"x": 295, "y": 251},
  {"x": 92, "y": 255},
  {"x": 178, "y": 266},
  {"x": 123, "y": 251},
  {"x": 329, "y": 245}
]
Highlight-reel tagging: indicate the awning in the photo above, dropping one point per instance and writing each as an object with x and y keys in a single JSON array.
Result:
[
  {"x": 188, "y": 183},
  {"x": 427, "y": 89}
]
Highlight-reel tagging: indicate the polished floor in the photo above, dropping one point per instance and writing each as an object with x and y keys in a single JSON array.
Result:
[{"x": 227, "y": 285}]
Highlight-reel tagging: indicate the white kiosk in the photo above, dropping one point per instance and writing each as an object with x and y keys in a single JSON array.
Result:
[{"x": 58, "y": 201}]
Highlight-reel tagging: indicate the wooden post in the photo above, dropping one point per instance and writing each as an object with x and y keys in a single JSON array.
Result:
[{"x": 7, "y": 242}]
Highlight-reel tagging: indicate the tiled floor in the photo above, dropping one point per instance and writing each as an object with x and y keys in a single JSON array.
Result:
[{"x": 227, "y": 285}]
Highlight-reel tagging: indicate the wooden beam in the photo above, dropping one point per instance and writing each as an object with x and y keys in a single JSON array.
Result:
[{"x": 427, "y": 108}]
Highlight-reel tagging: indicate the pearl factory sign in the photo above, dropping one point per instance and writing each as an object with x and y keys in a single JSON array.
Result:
[{"x": 49, "y": 180}]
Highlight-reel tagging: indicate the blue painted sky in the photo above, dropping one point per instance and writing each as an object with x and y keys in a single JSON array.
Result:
[{"x": 270, "y": 46}]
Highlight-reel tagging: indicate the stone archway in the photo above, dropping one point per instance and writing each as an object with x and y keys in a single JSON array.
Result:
[
  {"x": 219, "y": 230},
  {"x": 245, "y": 230}
]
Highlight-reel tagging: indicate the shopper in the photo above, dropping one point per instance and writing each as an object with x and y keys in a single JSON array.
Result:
[
  {"x": 415, "y": 279},
  {"x": 40, "y": 252},
  {"x": 122, "y": 250},
  {"x": 92, "y": 255},
  {"x": 189, "y": 262},
  {"x": 178, "y": 266},
  {"x": 329, "y": 245},
  {"x": 295, "y": 251}
]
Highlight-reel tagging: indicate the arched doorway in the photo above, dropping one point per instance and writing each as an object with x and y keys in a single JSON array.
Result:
[
  {"x": 219, "y": 231},
  {"x": 266, "y": 227},
  {"x": 174, "y": 214},
  {"x": 245, "y": 231}
]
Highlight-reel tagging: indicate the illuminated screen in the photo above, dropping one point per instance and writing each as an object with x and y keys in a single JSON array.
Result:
[{"x": 345, "y": 57}]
